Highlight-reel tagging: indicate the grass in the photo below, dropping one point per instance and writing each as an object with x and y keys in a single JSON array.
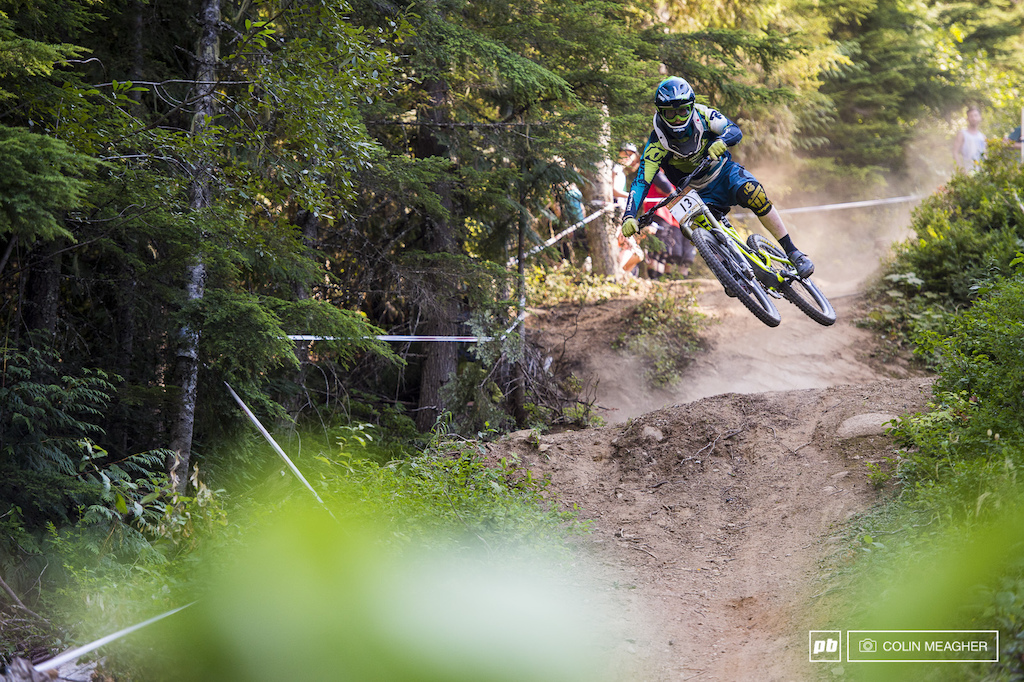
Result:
[{"x": 446, "y": 498}]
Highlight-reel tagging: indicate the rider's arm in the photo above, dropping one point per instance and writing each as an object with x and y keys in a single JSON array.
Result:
[
  {"x": 650, "y": 162},
  {"x": 726, "y": 131}
]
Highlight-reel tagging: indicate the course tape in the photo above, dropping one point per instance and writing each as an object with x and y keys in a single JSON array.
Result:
[
  {"x": 802, "y": 209},
  {"x": 277, "y": 448},
  {"x": 414, "y": 338},
  {"x": 385, "y": 337},
  {"x": 71, "y": 655},
  {"x": 853, "y": 204},
  {"x": 569, "y": 230},
  {"x": 838, "y": 207}
]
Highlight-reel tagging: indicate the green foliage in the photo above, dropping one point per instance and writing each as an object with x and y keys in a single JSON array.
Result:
[
  {"x": 664, "y": 330},
  {"x": 22, "y": 57},
  {"x": 966, "y": 235},
  {"x": 355, "y": 606},
  {"x": 448, "y": 496},
  {"x": 715, "y": 61},
  {"x": 962, "y": 454},
  {"x": 45, "y": 415},
  {"x": 901, "y": 312},
  {"x": 477, "y": 402},
  {"x": 978, "y": 359},
  {"x": 42, "y": 178},
  {"x": 879, "y": 475},
  {"x": 959, "y": 463},
  {"x": 956, "y": 292},
  {"x": 581, "y": 415},
  {"x": 550, "y": 286},
  {"x": 392, "y": 427}
]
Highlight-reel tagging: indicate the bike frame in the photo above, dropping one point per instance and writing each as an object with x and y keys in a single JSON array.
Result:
[{"x": 698, "y": 216}]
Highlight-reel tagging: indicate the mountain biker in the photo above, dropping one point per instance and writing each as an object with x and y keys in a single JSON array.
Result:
[{"x": 684, "y": 134}]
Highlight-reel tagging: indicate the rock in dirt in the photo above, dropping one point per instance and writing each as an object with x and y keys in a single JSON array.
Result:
[
  {"x": 868, "y": 424},
  {"x": 651, "y": 433}
]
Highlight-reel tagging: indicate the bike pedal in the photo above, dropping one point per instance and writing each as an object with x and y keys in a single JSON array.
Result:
[{"x": 774, "y": 293}]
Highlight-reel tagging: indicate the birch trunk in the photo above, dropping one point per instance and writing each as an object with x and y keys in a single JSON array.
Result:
[{"x": 200, "y": 198}]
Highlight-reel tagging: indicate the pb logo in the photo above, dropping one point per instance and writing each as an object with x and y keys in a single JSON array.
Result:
[
  {"x": 822, "y": 646},
  {"x": 825, "y": 646}
]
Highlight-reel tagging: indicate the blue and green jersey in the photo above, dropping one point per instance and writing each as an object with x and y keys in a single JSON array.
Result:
[{"x": 679, "y": 157}]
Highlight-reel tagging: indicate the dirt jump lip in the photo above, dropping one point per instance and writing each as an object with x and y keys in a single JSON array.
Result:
[{"x": 709, "y": 519}]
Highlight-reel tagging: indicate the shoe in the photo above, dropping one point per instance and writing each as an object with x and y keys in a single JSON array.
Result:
[{"x": 804, "y": 266}]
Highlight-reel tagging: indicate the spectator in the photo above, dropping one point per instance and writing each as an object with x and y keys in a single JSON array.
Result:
[
  {"x": 567, "y": 210},
  {"x": 630, "y": 255},
  {"x": 623, "y": 172},
  {"x": 679, "y": 251},
  {"x": 970, "y": 144}
]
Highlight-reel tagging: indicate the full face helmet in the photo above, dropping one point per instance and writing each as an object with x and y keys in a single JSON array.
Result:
[{"x": 674, "y": 100}]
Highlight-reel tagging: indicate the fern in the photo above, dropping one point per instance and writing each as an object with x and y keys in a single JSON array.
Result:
[{"x": 44, "y": 416}]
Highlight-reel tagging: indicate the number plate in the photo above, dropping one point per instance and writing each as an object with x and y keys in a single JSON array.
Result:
[{"x": 686, "y": 206}]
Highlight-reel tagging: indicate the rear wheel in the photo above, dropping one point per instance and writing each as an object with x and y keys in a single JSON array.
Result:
[
  {"x": 722, "y": 262},
  {"x": 803, "y": 293}
]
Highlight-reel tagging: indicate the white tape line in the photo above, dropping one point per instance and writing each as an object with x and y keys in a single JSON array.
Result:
[
  {"x": 71, "y": 655},
  {"x": 277, "y": 448},
  {"x": 540, "y": 247},
  {"x": 853, "y": 204},
  {"x": 415, "y": 338},
  {"x": 383, "y": 337},
  {"x": 838, "y": 207}
]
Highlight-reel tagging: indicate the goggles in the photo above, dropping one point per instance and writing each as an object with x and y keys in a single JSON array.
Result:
[{"x": 677, "y": 115}]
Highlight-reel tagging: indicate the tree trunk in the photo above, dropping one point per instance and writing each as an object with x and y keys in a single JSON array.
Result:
[
  {"x": 519, "y": 376},
  {"x": 200, "y": 198},
  {"x": 310, "y": 225},
  {"x": 442, "y": 357},
  {"x": 127, "y": 299},
  {"x": 42, "y": 299},
  {"x": 601, "y": 231},
  {"x": 138, "y": 48}
]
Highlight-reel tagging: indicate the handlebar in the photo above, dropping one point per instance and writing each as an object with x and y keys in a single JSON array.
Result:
[{"x": 648, "y": 216}]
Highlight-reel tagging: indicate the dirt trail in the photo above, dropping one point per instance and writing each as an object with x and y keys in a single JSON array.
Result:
[
  {"x": 713, "y": 502},
  {"x": 710, "y": 517}
]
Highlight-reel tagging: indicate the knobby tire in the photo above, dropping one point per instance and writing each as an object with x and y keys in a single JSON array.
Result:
[
  {"x": 722, "y": 263},
  {"x": 803, "y": 293}
]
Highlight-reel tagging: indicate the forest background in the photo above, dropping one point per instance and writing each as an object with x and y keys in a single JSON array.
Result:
[{"x": 186, "y": 183}]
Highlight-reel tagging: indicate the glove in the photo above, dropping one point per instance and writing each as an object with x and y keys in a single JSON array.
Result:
[
  {"x": 629, "y": 227},
  {"x": 716, "y": 149}
]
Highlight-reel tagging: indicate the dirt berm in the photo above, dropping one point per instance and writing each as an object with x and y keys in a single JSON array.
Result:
[{"x": 709, "y": 519}]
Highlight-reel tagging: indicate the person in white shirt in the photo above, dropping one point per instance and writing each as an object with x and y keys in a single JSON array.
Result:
[{"x": 970, "y": 144}]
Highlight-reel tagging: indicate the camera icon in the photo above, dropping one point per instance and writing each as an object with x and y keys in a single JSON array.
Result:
[{"x": 867, "y": 646}]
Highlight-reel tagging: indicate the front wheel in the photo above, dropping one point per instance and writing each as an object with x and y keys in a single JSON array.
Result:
[
  {"x": 803, "y": 293},
  {"x": 746, "y": 288}
]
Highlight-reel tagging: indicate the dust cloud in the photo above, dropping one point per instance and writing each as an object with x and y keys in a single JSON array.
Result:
[{"x": 745, "y": 356}]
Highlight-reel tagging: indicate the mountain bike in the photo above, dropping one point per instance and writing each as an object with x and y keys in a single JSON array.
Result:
[{"x": 754, "y": 271}]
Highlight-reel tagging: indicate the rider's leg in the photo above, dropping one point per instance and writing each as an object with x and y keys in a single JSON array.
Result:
[
  {"x": 757, "y": 201},
  {"x": 735, "y": 185},
  {"x": 772, "y": 222}
]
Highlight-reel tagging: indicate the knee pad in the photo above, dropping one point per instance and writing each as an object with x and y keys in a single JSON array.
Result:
[{"x": 752, "y": 196}]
